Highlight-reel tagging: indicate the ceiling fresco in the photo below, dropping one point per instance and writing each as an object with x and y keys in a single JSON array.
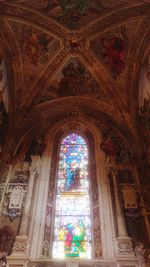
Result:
[
  {"x": 73, "y": 14},
  {"x": 36, "y": 48},
  {"x": 111, "y": 48},
  {"x": 74, "y": 79},
  {"x": 86, "y": 52}
]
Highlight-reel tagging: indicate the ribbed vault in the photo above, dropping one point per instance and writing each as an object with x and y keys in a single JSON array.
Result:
[{"x": 41, "y": 50}]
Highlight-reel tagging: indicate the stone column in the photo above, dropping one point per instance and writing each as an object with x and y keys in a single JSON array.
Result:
[
  {"x": 124, "y": 246},
  {"x": 21, "y": 244}
]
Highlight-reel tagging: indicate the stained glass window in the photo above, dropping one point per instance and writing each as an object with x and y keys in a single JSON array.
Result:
[{"x": 72, "y": 223}]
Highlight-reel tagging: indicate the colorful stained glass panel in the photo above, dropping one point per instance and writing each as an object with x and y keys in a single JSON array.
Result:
[{"x": 72, "y": 225}]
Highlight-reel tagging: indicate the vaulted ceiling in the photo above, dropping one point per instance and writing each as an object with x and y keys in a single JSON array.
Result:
[{"x": 63, "y": 54}]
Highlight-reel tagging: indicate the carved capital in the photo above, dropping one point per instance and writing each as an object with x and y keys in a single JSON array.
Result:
[
  {"x": 21, "y": 245},
  {"x": 124, "y": 247},
  {"x": 35, "y": 165}
]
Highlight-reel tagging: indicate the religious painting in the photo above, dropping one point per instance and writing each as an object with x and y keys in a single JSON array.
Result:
[
  {"x": 73, "y": 14},
  {"x": 111, "y": 48},
  {"x": 74, "y": 79},
  {"x": 72, "y": 225},
  {"x": 37, "y": 48},
  {"x": 114, "y": 148},
  {"x": 4, "y": 102}
]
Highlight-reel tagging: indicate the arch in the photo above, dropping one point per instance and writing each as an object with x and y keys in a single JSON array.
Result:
[{"x": 50, "y": 207}]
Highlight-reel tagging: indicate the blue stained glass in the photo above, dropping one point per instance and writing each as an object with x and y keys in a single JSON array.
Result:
[{"x": 72, "y": 225}]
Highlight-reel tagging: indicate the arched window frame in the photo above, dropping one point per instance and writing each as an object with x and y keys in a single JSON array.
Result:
[{"x": 95, "y": 213}]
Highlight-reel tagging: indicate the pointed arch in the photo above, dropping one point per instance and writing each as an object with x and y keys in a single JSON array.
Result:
[{"x": 49, "y": 229}]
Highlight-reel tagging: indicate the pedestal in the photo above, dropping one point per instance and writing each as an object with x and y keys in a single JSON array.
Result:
[
  {"x": 21, "y": 246},
  {"x": 124, "y": 247}
]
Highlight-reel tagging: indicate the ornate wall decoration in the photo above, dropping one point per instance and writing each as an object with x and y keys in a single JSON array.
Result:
[
  {"x": 50, "y": 206},
  {"x": 130, "y": 194},
  {"x": 129, "y": 197},
  {"x": 114, "y": 147},
  {"x": 95, "y": 198},
  {"x": 14, "y": 200},
  {"x": 16, "y": 191}
]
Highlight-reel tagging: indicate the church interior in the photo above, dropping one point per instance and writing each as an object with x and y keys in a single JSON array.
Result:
[{"x": 75, "y": 133}]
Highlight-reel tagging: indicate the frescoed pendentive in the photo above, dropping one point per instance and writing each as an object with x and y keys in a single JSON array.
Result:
[
  {"x": 74, "y": 79},
  {"x": 37, "y": 49},
  {"x": 112, "y": 47},
  {"x": 73, "y": 14},
  {"x": 4, "y": 104}
]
